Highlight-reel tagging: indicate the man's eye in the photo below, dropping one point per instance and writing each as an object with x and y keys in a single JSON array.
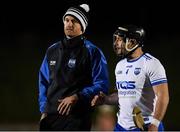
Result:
[{"x": 74, "y": 21}]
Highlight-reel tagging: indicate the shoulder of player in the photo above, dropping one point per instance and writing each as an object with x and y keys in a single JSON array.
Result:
[
  {"x": 151, "y": 60},
  {"x": 121, "y": 62}
]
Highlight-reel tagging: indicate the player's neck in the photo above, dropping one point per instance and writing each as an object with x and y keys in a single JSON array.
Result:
[{"x": 136, "y": 54}]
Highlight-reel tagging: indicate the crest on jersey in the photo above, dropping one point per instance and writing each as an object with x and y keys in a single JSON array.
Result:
[
  {"x": 72, "y": 63},
  {"x": 137, "y": 71}
]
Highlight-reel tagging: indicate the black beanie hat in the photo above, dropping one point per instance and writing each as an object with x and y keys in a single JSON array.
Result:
[{"x": 80, "y": 13}]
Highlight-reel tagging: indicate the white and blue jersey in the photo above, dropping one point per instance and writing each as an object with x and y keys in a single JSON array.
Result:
[{"x": 134, "y": 82}]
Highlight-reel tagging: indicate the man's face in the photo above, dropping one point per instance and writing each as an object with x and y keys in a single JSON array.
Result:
[
  {"x": 122, "y": 48},
  {"x": 72, "y": 27},
  {"x": 119, "y": 45}
]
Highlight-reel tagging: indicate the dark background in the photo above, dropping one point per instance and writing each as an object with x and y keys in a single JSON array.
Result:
[{"x": 28, "y": 28}]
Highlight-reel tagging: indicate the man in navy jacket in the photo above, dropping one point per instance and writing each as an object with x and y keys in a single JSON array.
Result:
[{"x": 73, "y": 71}]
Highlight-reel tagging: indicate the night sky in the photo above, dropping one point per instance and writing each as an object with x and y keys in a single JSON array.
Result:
[{"x": 28, "y": 28}]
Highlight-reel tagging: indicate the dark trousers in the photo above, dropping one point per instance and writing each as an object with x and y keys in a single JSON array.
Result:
[{"x": 66, "y": 123}]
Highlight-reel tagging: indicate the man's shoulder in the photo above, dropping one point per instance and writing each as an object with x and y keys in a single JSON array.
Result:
[
  {"x": 152, "y": 62},
  {"x": 150, "y": 58},
  {"x": 89, "y": 44},
  {"x": 121, "y": 62},
  {"x": 53, "y": 49},
  {"x": 54, "y": 45}
]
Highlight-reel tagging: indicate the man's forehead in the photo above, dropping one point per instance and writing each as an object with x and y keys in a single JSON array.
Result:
[
  {"x": 70, "y": 17},
  {"x": 117, "y": 36}
]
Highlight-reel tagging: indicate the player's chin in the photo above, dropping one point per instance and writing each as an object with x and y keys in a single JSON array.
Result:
[
  {"x": 118, "y": 53},
  {"x": 69, "y": 33}
]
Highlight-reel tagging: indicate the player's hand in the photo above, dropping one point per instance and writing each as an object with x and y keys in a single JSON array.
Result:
[
  {"x": 152, "y": 127},
  {"x": 98, "y": 99},
  {"x": 43, "y": 115},
  {"x": 66, "y": 103}
]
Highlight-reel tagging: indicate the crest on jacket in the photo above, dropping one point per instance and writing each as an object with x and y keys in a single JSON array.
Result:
[{"x": 72, "y": 63}]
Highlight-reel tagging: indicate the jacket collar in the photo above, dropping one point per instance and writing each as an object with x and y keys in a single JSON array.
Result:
[{"x": 73, "y": 42}]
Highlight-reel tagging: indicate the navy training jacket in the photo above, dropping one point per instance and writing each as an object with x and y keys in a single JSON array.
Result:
[{"x": 74, "y": 66}]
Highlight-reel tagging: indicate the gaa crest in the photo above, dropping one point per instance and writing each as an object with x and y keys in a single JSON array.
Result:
[
  {"x": 72, "y": 63},
  {"x": 137, "y": 71}
]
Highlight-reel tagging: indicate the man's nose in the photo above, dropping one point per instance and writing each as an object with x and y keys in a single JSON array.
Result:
[
  {"x": 70, "y": 23},
  {"x": 117, "y": 42}
]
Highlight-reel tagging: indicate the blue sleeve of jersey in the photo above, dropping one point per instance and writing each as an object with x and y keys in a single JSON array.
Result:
[
  {"x": 99, "y": 74},
  {"x": 43, "y": 84}
]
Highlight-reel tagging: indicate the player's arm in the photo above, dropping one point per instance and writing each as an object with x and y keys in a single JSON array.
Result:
[
  {"x": 100, "y": 99},
  {"x": 157, "y": 76},
  {"x": 112, "y": 99},
  {"x": 161, "y": 91}
]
